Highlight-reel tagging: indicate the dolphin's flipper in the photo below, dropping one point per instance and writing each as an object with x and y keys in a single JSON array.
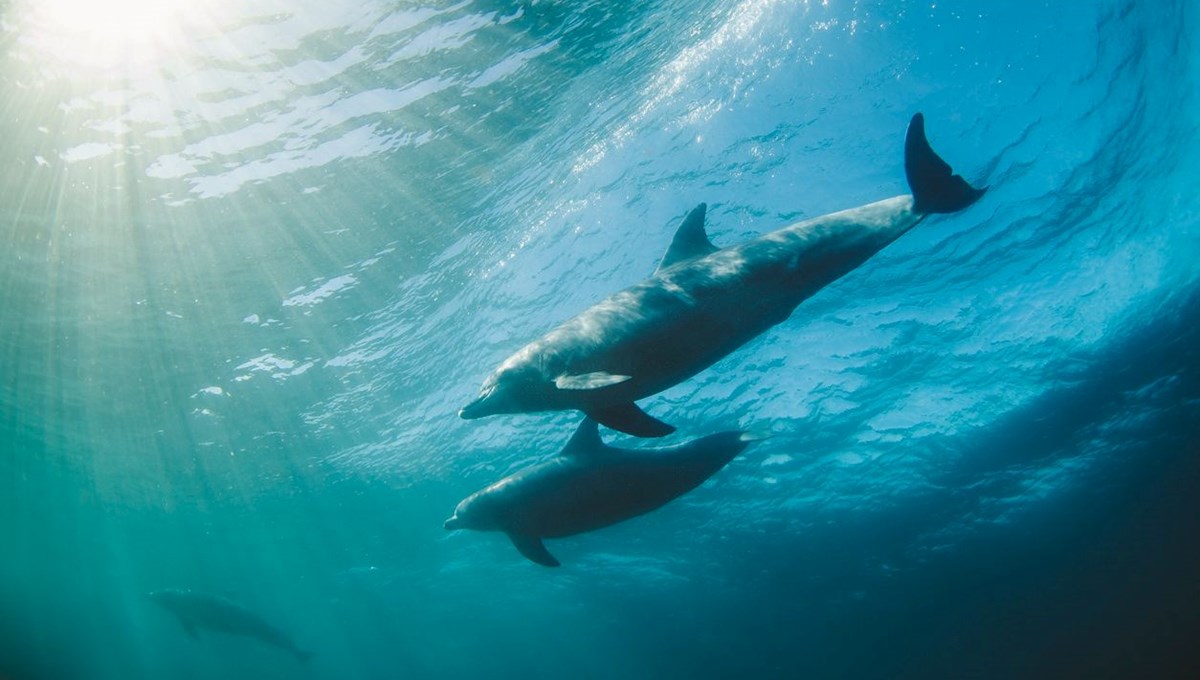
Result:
[
  {"x": 191, "y": 629},
  {"x": 533, "y": 549},
  {"x": 589, "y": 381},
  {"x": 630, "y": 419},
  {"x": 302, "y": 655},
  {"x": 935, "y": 188},
  {"x": 690, "y": 240}
]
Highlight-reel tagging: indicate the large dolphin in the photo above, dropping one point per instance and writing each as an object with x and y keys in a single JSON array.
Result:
[
  {"x": 591, "y": 485},
  {"x": 703, "y": 303},
  {"x": 201, "y": 610}
]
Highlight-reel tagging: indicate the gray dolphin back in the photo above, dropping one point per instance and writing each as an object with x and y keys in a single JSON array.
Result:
[{"x": 591, "y": 485}]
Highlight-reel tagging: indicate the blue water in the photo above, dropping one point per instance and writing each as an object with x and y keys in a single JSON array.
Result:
[{"x": 254, "y": 257}]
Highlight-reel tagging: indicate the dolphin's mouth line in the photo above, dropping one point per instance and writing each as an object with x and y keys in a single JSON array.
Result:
[
  {"x": 452, "y": 523},
  {"x": 471, "y": 410},
  {"x": 468, "y": 412}
]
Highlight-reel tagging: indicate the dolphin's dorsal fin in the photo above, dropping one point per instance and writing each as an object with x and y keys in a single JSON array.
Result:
[
  {"x": 589, "y": 381},
  {"x": 690, "y": 240},
  {"x": 630, "y": 419},
  {"x": 586, "y": 440},
  {"x": 533, "y": 549}
]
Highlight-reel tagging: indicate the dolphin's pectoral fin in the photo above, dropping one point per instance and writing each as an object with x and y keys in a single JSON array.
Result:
[
  {"x": 191, "y": 630},
  {"x": 533, "y": 549},
  {"x": 690, "y": 240},
  {"x": 630, "y": 419},
  {"x": 935, "y": 187},
  {"x": 589, "y": 381}
]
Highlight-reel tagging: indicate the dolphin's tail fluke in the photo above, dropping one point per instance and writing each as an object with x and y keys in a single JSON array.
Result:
[{"x": 935, "y": 187}]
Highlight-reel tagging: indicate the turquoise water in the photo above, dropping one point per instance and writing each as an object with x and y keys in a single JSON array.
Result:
[{"x": 254, "y": 258}]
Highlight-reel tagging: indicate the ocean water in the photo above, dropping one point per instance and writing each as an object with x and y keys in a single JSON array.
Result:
[{"x": 255, "y": 256}]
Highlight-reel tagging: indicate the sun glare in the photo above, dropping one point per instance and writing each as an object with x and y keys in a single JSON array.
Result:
[{"x": 111, "y": 32}]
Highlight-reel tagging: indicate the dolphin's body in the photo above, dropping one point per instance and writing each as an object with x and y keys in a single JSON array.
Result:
[
  {"x": 591, "y": 485},
  {"x": 703, "y": 303},
  {"x": 201, "y": 610}
]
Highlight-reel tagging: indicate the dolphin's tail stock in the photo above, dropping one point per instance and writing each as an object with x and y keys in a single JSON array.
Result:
[{"x": 934, "y": 186}]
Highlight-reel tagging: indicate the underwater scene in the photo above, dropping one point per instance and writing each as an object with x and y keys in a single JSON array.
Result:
[{"x": 670, "y": 339}]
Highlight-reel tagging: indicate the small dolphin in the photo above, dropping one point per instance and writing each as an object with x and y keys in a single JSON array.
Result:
[
  {"x": 703, "y": 303},
  {"x": 200, "y": 610},
  {"x": 591, "y": 485}
]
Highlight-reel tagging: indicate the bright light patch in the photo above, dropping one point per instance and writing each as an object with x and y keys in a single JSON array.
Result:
[
  {"x": 115, "y": 21},
  {"x": 109, "y": 33}
]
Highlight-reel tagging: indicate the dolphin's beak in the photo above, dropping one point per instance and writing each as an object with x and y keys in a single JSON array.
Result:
[
  {"x": 452, "y": 523},
  {"x": 486, "y": 404},
  {"x": 474, "y": 409}
]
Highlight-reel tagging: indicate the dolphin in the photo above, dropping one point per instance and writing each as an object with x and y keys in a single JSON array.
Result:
[
  {"x": 591, "y": 485},
  {"x": 703, "y": 303},
  {"x": 200, "y": 610}
]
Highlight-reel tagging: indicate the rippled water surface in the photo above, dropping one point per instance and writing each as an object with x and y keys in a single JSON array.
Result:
[{"x": 255, "y": 256}]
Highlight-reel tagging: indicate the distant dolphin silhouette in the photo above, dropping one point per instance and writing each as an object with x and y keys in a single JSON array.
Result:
[
  {"x": 200, "y": 610},
  {"x": 703, "y": 303},
  {"x": 591, "y": 485}
]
